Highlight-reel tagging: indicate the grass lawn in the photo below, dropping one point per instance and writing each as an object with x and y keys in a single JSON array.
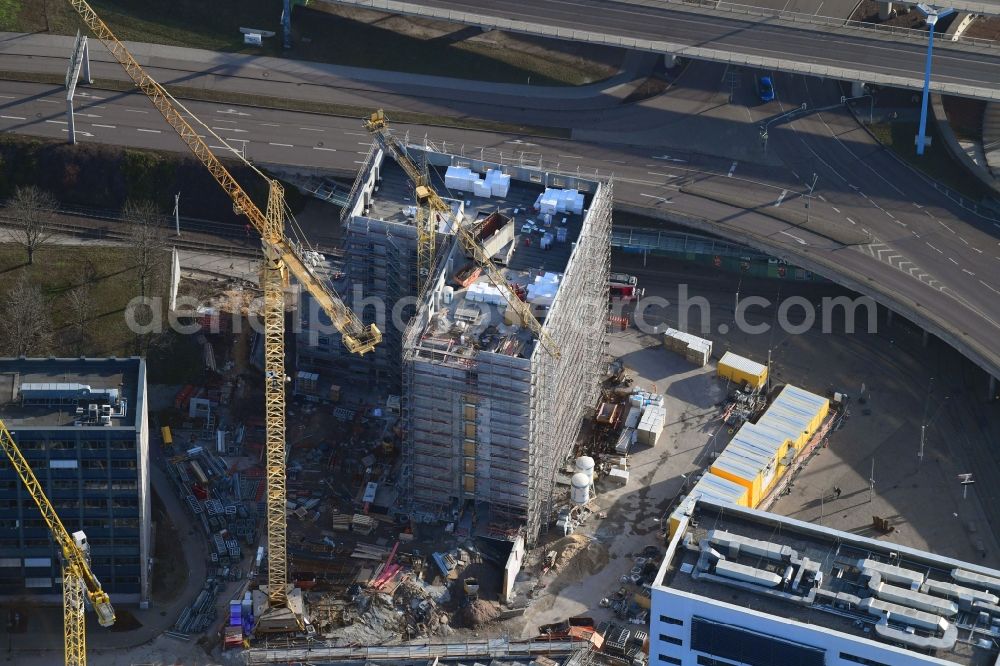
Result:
[
  {"x": 319, "y": 36},
  {"x": 936, "y": 161},
  {"x": 57, "y": 269}
]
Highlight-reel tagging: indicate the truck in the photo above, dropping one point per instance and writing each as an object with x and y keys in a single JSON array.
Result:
[{"x": 623, "y": 287}]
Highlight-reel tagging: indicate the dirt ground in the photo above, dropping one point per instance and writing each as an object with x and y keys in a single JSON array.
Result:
[
  {"x": 984, "y": 27},
  {"x": 549, "y": 61},
  {"x": 867, "y": 11}
]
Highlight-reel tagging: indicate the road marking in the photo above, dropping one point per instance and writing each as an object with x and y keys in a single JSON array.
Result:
[
  {"x": 658, "y": 198},
  {"x": 665, "y": 175},
  {"x": 966, "y": 270},
  {"x": 7, "y": 97},
  {"x": 781, "y": 197},
  {"x": 364, "y": 143},
  {"x": 105, "y": 126},
  {"x": 821, "y": 197},
  {"x": 358, "y": 162},
  {"x": 963, "y": 240},
  {"x": 56, "y": 122},
  {"x": 945, "y": 226},
  {"x": 989, "y": 287},
  {"x": 799, "y": 240},
  {"x": 916, "y": 204},
  {"x": 47, "y": 101},
  {"x": 731, "y": 170},
  {"x": 851, "y": 221},
  {"x": 977, "y": 250},
  {"x": 13, "y": 117},
  {"x": 667, "y": 158},
  {"x": 232, "y": 112},
  {"x": 642, "y": 182},
  {"x": 624, "y": 162},
  {"x": 952, "y": 261},
  {"x": 135, "y": 111},
  {"x": 914, "y": 233},
  {"x": 329, "y": 150},
  {"x": 933, "y": 248},
  {"x": 223, "y": 120},
  {"x": 311, "y": 129},
  {"x": 355, "y": 133},
  {"x": 890, "y": 215},
  {"x": 270, "y": 125},
  {"x": 230, "y": 129},
  {"x": 283, "y": 145},
  {"x": 78, "y": 132},
  {"x": 87, "y": 115},
  {"x": 571, "y": 157},
  {"x": 139, "y": 129},
  {"x": 835, "y": 208}
]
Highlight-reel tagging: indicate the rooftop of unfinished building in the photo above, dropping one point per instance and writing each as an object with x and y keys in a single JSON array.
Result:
[
  {"x": 464, "y": 325},
  {"x": 122, "y": 374},
  {"x": 837, "y": 555}
]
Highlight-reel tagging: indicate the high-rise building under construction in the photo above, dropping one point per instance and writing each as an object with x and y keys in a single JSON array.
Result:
[{"x": 489, "y": 413}]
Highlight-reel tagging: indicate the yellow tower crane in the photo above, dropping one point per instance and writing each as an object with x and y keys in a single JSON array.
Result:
[
  {"x": 79, "y": 582},
  {"x": 430, "y": 207},
  {"x": 281, "y": 257},
  {"x": 426, "y": 222}
]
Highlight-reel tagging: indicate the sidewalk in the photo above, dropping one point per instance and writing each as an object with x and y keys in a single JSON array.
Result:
[{"x": 312, "y": 81}]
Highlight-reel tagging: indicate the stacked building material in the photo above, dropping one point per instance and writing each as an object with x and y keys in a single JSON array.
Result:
[
  {"x": 654, "y": 417},
  {"x": 460, "y": 178},
  {"x": 694, "y": 349},
  {"x": 553, "y": 201},
  {"x": 498, "y": 182}
]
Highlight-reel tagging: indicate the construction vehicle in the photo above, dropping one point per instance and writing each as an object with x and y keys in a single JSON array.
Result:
[
  {"x": 79, "y": 582},
  {"x": 432, "y": 205},
  {"x": 282, "y": 257}
]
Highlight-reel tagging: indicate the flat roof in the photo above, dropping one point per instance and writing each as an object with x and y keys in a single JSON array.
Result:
[
  {"x": 835, "y": 572},
  {"x": 483, "y": 322},
  {"x": 97, "y": 373}
]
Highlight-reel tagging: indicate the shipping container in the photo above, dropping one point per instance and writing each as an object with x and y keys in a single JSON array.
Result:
[{"x": 741, "y": 370}]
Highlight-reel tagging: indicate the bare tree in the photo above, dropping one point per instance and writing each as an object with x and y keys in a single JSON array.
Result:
[
  {"x": 32, "y": 210},
  {"x": 81, "y": 303},
  {"x": 26, "y": 326},
  {"x": 146, "y": 240}
]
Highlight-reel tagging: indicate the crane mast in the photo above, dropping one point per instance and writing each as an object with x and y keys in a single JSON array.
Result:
[
  {"x": 281, "y": 259},
  {"x": 429, "y": 204},
  {"x": 428, "y": 198},
  {"x": 79, "y": 582}
]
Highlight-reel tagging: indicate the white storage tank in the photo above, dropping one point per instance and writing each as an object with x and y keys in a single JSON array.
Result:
[
  {"x": 447, "y": 295},
  {"x": 580, "y": 488},
  {"x": 585, "y": 465}
]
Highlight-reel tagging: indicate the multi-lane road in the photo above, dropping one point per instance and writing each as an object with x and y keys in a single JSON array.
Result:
[
  {"x": 821, "y": 49},
  {"x": 874, "y": 225}
]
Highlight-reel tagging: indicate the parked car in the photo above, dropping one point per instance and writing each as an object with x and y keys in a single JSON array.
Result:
[{"x": 765, "y": 89}]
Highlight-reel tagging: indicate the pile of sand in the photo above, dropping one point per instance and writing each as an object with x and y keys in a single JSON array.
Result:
[
  {"x": 579, "y": 556},
  {"x": 480, "y": 612}
]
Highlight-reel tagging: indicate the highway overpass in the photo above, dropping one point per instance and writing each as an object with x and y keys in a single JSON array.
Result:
[{"x": 811, "y": 45}]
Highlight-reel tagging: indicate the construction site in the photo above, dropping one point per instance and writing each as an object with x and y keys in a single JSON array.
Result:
[{"x": 452, "y": 438}]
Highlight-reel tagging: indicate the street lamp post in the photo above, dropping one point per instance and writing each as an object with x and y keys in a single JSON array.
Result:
[{"x": 932, "y": 14}]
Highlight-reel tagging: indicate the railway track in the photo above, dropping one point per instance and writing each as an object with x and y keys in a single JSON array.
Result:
[{"x": 196, "y": 235}]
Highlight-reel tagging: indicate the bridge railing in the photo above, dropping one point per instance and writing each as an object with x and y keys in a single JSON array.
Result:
[{"x": 817, "y": 19}]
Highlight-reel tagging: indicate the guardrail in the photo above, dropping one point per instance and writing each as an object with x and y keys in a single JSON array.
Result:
[{"x": 816, "y": 19}]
